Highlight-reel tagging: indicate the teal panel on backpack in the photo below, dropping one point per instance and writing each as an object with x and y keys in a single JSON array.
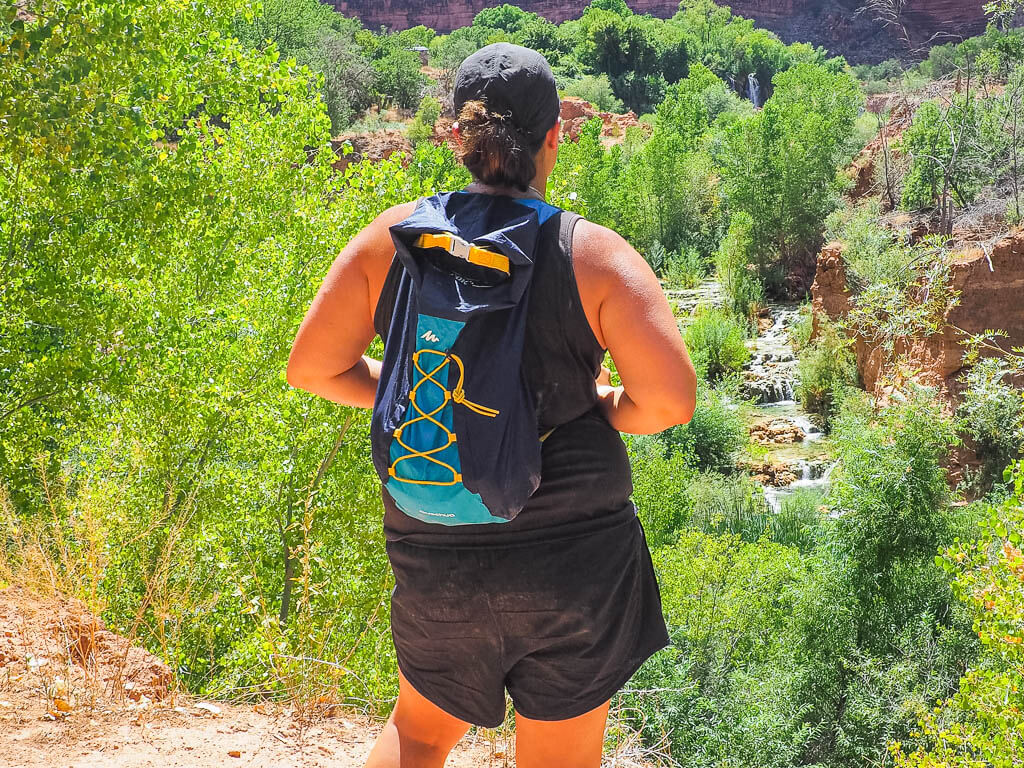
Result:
[{"x": 426, "y": 486}]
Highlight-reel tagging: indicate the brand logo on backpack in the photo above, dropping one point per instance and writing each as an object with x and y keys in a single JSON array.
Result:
[{"x": 431, "y": 337}]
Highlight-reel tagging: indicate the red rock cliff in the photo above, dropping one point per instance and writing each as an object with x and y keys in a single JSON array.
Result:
[
  {"x": 990, "y": 286},
  {"x": 833, "y": 25}
]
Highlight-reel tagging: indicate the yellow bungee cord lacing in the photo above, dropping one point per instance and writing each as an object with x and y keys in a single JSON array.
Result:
[{"x": 457, "y": 395}]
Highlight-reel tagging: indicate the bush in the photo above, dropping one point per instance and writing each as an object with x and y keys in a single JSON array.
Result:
[
  {"x": 661, "y": 481},
  {"x": 716, "y": 431},
  {"x": 890, "y": 491},
  {"x": 950, "y": 155},
  {"x": 876, "y": 630},
  {"x": 422, "y": 126},
  {"x": 826, "y": 367},
  {"x": 798, "y": 522},
  {"x": 982, "y": 724},
  {"x": 667, "y": 467},
  {"x": 722, "y": 688},
  {"x": 716, "y": 343},
  {"x": 870, "y": 254},
  {"x": 733, "y": 262},
  {"x": 685, "y": 269},
  {"x": 800, "y": 332},
  {"x": 992, "y": 413},
  {"x": 596, "y": 89},
  {"x": 668, "y": 192}
]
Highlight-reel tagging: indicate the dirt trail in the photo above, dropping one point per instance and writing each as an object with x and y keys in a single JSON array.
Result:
[
  {"x": 73, "y": 694},
  {"x": 185, "y": 737}
]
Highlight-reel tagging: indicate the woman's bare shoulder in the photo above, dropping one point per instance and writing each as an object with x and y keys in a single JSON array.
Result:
[
  {"x": 373, "y": 245},
  {"x": 601, "y": 255}
]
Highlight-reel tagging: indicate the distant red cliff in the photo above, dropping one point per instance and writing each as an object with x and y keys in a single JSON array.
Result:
[{"x": 833, "y": 24}]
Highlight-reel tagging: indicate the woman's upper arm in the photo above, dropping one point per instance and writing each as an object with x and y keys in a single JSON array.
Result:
[
  {"x": 338, "y": 327},
  {"x": 634, "y": 319}
]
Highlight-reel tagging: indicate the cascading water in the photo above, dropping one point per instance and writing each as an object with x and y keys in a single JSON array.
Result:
[
  {"x": 814, "y": 476},
  {"x": 771, "y": 381},
  {"x": 754, "y": 89},
  {"x": 771, "y": 373}
]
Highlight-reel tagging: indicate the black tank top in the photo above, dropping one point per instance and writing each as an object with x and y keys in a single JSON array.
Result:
[{"x": 585, "y": 475}]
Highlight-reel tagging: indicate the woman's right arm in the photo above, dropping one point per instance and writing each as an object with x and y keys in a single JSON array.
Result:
[{"x": 631, "y": 317}]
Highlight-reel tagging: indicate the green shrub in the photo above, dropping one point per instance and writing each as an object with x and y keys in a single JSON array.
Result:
[
  {"x": 826, "y": 367},
  {"x": 950, "y": 154},
  {"x": 716, "y": 431},
  {"x": 875, "y": 628},
  {"x": 422, "y": 126},
  {"x": 397, "y": 78},
  {"x": 715, "y": 341},
  {"x": 798, "y": 522},
  {"x": 596, "y": 89},
  {"x": 992, "y": 413},
  {"x": 870, "y": 253},
  {"x": 982, "y": 724},
  {"x": 734, "y": 265},
  {"x": 722, "y": 687},
  {"x": 890, "y": 491},
  {"x": 685, "y": 269},
  {"x": 800, "y": 331},
  {"x": 661, "y": 481},
  {"x": 667, "y": 467}
]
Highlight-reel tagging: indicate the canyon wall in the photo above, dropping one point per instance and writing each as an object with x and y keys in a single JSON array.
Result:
[
  {"x": 990, "y": 283},
  {"x": 833, "y": 24}
]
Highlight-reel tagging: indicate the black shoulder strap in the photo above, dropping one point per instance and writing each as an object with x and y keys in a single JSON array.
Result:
[{"x": 565, "y": 230}]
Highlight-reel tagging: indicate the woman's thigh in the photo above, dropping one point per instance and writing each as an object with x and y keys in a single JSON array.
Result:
[{"x": 573, "y": 743}]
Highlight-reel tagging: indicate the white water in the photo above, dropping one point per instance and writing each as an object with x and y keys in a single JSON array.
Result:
[
  {"x": 814, "y": 475},
  {"x": 754, "y": 88},
  {"x": 772, "y": 380}
]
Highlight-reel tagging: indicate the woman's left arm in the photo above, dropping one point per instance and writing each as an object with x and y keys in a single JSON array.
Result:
[{"x": 328, "y": 355}]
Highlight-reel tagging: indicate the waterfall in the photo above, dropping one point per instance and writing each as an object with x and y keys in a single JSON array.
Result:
[{"x": 754, "y": 88}]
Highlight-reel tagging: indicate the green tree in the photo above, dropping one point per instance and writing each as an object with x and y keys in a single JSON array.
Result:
[
  {"x": 779, "y": 165},
  {"x": 950, "y": 148},
  {"x": 290, "y": 26},
  {"x": 167, "y": 208},
  {"x": 347, "y": 77},
  {"x": 398, "y": 79},
  {"x": 586, "y": 176},
  {"x": 982, "y": 724},
  {"x": 597, "y": 90},
  {"x": 639, "y": 54}
]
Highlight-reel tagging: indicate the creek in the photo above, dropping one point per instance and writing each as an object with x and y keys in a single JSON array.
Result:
[{"x": 788, "y": 452}]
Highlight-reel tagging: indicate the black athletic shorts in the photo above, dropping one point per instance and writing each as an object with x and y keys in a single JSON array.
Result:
[{"x": 562, "y": 624}]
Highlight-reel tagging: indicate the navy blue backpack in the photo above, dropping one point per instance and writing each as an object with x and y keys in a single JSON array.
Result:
[{"x": 454, "y": 428}]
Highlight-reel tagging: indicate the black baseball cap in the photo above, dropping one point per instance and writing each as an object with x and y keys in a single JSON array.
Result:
[{"x": 511, "y": 79}]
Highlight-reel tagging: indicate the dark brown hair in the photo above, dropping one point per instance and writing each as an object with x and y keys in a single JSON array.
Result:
[{"x": 494, "y": 149}]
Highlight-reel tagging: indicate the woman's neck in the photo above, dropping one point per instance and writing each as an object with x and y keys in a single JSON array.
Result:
[{"x": 537, "y": 189}]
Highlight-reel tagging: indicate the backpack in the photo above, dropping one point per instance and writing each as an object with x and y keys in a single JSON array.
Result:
[{"x": 454, "y": 426}]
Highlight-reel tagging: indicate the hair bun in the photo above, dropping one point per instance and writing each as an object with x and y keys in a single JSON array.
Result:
[{"x": 494, "y": 148}]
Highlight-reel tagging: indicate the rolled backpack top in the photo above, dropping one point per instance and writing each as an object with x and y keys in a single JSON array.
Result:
[{"x": 454, "y": 427}]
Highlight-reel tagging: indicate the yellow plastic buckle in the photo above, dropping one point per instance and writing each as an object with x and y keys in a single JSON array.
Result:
[{"x": 461, "y": 249}]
